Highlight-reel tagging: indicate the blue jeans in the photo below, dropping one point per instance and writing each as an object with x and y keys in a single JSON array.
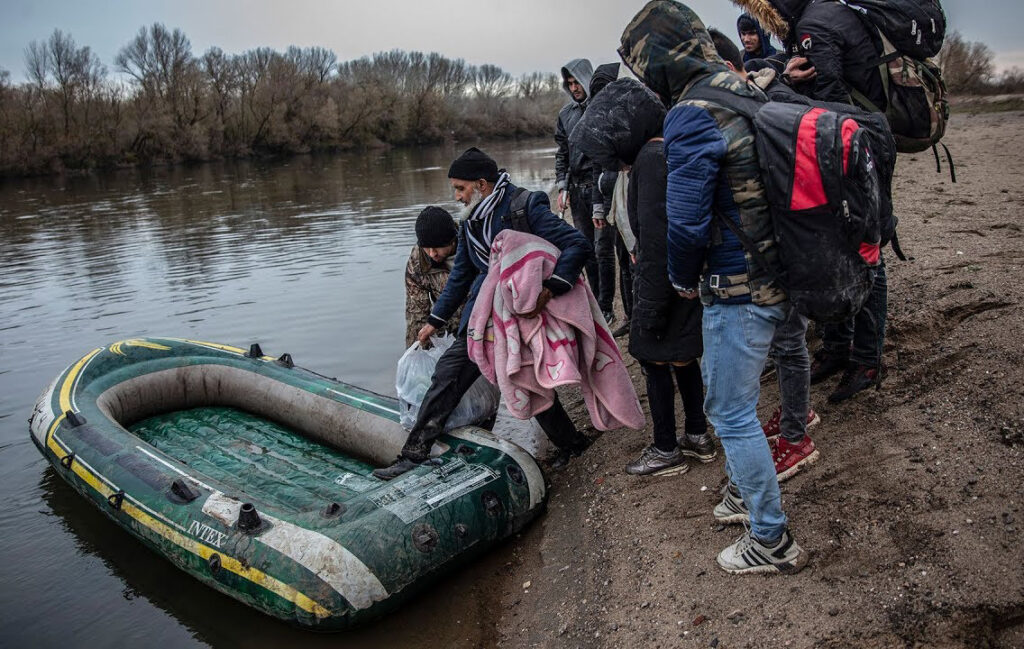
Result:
[
  {"x": 863, "y": 335},
  {"x": 793, "y": 366},
  {"x": 737, "y": 338}
]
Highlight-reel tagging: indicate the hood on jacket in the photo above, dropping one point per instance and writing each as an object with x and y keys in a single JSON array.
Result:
[
  {"x": 775, "y": 16},
  {"x": 766, "y": 49},
  {"x": 582, "y": 71},
  {"x": 618, "y": 123},
  {"x": 668, "y": 48},
  {"x": 603, "y": 75}
]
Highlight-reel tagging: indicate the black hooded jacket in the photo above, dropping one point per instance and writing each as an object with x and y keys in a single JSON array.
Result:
[
  {"x": 604, "y": 178},
  {"x": 623, "y": 125},
  {"x": 837, "y": 42}
]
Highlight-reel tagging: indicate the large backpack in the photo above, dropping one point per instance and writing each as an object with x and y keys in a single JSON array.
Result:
[
  {"x": 910, "y": 32},
  {"x": 827, "y": 169}
]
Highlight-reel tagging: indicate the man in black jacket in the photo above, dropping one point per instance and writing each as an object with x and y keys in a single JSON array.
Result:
[
  {"x": 843, "y": 52},
  {"x": 835, "y": 41},
  {"x": 575, "y": 176}
]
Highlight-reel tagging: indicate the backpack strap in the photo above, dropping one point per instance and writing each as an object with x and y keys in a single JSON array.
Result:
[
  {"x": 517, "y": 210},
  {"x": 749, "y": 245},
  {"x": 746, "y": 106}
]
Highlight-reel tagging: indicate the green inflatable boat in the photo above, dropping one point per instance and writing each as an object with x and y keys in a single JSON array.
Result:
[{"x": 254, "y": 476}]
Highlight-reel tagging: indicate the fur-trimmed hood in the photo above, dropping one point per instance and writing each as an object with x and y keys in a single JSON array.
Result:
[{"x": 776, "y": 16}]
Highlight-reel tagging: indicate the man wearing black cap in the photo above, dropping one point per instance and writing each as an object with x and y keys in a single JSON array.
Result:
[
  {"x": 430, "y": 263},
  {"x": 489, "y": 196}
]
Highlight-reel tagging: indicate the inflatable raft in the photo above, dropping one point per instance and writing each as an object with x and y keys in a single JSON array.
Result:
[{"x": 254, "y": 476}]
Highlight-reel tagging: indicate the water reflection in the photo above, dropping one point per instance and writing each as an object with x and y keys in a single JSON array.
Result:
[{"x": 304, "y": 257}]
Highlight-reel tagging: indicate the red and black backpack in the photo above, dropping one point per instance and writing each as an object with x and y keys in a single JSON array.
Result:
[{"x": 827, "y": 170}]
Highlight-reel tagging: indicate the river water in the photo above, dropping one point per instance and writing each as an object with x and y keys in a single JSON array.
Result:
[{"x": 305, "y": 257}]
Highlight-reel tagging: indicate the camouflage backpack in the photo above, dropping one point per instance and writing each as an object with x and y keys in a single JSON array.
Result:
[{"x": 909, "y": 31}]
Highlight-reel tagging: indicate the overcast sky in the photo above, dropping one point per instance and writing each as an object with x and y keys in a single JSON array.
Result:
[{"x": 518, "y": 35}]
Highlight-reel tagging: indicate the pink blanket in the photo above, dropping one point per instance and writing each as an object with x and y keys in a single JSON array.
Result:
[{"x": 567, "y": 343}]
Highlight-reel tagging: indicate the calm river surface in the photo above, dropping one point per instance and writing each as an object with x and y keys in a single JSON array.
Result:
[{"x": 305, "y": 257}]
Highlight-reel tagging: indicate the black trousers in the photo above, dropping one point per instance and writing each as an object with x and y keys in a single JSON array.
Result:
[
  {"x": 600, "y": 266},
  {"x": 661, "y": 397},
  {"x": 454, "y": 375},
  {"x": 625, "y": 273}
]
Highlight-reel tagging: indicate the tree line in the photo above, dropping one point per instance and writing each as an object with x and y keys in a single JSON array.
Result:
[{"x": 169, "y": 105}]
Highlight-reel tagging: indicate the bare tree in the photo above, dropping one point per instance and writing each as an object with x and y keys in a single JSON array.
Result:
[
  {"x": 490, "y": 82},
  {"x": 966, "y": 65}
]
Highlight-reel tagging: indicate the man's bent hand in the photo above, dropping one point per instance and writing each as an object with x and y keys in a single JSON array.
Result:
[
  {"x": 423, "y": 337},
  {"x": 542, "y": 301}
]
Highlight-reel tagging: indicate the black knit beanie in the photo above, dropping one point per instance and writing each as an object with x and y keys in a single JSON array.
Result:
[
  {"x": 473, "y": 165},
  {"x": 435, "y": 228}
]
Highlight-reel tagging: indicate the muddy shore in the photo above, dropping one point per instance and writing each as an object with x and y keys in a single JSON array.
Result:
[{"x": 913, "y": 515}]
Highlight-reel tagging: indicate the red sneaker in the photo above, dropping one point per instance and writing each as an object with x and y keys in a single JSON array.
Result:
[
  {"x": 790, "y": 458},
  {"x": 772, "y": 427}
]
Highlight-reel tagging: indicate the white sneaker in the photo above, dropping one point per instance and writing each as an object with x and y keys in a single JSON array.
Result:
[
  {"x": 749, "y": 555},
  {"x": 732, "y": 508}
]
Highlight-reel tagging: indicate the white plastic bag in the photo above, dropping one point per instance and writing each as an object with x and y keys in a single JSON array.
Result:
[
  {"x": 524, "y": 433},
  {"x": 412, "y": 380}
]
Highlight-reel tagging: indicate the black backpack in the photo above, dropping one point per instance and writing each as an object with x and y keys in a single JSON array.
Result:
[
  {"x": 517, "y": 217},
  {"x": 909, "y": 32},
  {"x": 827, "y": 171}
]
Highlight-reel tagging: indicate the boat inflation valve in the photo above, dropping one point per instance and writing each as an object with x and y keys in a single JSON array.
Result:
[
  {"x": 285, "y": 360},
  {"x": 515, "y": 474},
  {"x": 255, "y": 351},
  {"x": 115, "y": 499},
  {"x": 333, "y": 510},
  {"x": 424, "y": 537},
  {"x": 461, "y": 530},
  {"x": 214, "y": 563},
  {"x": 182, "y": 492},
  {"x": 74, "y": 419},
  {"x": 67, "y": 460},
  {"x": 492, "y": 504},
  {"x": 248, "y": 519}
]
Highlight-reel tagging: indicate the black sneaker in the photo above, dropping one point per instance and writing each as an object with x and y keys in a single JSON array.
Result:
[
  {"x": 397, "y": 468},
  {"x": 701, "y": 447},
  {"x": 565, "y": 455},
  {"x": 827, "y": 363},
  {"x": 856, "y": 378},
  {"x": 621, "y": 330},
  {"x": 654, "y": 461}
]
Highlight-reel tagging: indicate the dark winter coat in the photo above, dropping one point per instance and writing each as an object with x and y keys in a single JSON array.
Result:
[
  {"x": 623, "y": 127},
  {"x": 713, "y": 167},
  {"x": 570, "y": 167},
  {"x": 836, "y": 41},
  {"x": 604, "y": 178},
  {"x": 468, "y": 272},
  {"x": 664, "y": 327},
  {"x": 766, "y": 49}
]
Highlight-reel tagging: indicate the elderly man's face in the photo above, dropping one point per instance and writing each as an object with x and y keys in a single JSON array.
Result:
[
  {"x": 468, "y": 192},
  {"x": 576, "y": 89}
]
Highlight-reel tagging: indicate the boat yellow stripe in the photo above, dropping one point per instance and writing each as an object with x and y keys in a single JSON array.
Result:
[
  {"x": 227, "y": 348},
  {"x": 94, "y": 480}
]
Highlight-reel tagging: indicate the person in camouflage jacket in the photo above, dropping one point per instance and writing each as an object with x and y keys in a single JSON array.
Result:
[
  {"x": 714, "y": 175},
  {"x": 426, "y": 273}
]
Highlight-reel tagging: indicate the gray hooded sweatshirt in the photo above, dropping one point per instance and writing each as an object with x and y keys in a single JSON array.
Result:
[{"x": 572, "y": 166}]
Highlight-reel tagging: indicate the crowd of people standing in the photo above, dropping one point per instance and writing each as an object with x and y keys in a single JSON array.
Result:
[{"x": 657, "y": 163}]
